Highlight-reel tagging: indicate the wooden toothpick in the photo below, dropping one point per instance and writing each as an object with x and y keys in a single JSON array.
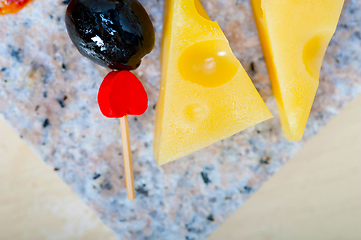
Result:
[{"x": 129, "y": 179}]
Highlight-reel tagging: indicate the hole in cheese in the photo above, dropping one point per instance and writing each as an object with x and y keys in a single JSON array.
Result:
[
  {"x": 205, "y": 62},
  {"x": 200, "y": 9},
  {"x": 195, "y": 112},
  {"x": 313, "y": 53}
]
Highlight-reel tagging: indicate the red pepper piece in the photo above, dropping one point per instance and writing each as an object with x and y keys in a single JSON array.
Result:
[
  {"x": 120, "y": 94},
  {"x": 12, "y": 6}
]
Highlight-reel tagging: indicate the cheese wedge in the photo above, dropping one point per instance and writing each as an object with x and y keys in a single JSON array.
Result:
[
  {"x": 294, "y": 37},
  {"x": 205, "y": 93}
]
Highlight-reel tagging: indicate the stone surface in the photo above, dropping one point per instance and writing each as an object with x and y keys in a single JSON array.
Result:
[{"x": 48, "y": 95}]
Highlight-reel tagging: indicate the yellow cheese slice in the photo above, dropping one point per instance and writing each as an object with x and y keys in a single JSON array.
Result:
[
  {"x": 294, "y": 36},
  {"x": 205, "y": 93}
]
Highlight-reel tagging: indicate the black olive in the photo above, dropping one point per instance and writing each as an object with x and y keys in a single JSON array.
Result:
[{"x": 112, "y": 33}]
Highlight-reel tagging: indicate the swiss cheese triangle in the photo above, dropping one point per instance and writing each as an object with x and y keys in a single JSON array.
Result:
[
  {"x": 294, "y": 37},
  {"x": 205, "y": 93}
]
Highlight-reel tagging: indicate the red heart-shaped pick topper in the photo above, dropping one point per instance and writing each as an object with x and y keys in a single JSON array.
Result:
[{"x": 120, "y": 94}]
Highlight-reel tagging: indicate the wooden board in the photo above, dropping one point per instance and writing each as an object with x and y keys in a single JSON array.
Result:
[
  {"x": 35, "y": 203},
  {"x": 316, "y": 195}
]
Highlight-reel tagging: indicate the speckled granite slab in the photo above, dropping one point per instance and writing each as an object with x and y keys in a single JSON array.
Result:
[{"x": 48, "y": 95}]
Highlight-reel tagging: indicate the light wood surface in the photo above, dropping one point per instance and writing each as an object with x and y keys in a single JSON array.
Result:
[
  {"x": 316, "y": 195},
  {"x": 128, "y": 167},
  {"x": 35, "y": 204}
]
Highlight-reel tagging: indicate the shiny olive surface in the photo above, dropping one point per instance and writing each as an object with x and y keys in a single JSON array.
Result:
[{"x": 112, "y": 33}]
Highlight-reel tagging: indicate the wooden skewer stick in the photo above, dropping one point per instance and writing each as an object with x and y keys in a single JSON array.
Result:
[{"x": 129, "y": 179}]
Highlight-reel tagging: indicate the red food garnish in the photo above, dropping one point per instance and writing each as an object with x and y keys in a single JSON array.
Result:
[
  {"x": 120, "y": 94},
  {"x": 12, "y": 6}
]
